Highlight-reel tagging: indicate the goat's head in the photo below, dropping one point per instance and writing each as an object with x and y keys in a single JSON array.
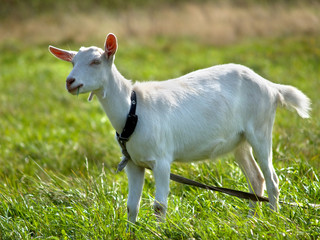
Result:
[{"x": 90, "y": 65}]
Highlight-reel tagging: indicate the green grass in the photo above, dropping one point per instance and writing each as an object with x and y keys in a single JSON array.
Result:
[{"x": 58, "y": 154}]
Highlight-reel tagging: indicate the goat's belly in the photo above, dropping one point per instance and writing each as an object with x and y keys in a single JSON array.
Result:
[{"x": 208, "y": 149}]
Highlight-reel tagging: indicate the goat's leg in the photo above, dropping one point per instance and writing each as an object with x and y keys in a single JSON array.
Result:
[
  {"x": 248, "y": 165},
  {"x": 135, "y": 180},
  {"x": 161, "y": 173},
  {"x": 262, "y": 147}
]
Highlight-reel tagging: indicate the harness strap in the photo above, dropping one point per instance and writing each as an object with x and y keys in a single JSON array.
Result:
[
  {"x": 131, "y": 122},
  {"x": 129, "y": 127},
  {"x": 236, "y": 193}
]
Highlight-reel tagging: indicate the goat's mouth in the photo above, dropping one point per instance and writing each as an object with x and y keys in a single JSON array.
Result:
[{"x": 74, "y": 90}]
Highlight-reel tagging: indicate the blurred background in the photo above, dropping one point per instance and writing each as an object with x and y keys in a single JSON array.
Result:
[{"x": 215, "y": 22}]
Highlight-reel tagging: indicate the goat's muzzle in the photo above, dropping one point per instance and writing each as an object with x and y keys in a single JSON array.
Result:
[{"x": 69, "y": 87}]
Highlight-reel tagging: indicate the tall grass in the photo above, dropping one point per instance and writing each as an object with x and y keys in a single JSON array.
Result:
[{"x": 58, "y": 154}]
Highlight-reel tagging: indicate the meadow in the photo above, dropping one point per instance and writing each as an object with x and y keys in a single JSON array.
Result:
[{"x": 58, "y": 154}]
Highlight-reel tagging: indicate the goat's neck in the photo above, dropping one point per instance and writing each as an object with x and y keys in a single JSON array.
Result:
[{"x": 115, "y": 98}]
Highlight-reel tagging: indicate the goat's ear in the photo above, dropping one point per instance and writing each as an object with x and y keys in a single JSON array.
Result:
[
  {"x": 110, "y": 45},
  {"x": 62, "y": 54}
]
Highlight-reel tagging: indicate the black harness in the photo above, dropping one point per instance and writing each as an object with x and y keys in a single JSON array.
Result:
[{"x": 129, "y": 127}]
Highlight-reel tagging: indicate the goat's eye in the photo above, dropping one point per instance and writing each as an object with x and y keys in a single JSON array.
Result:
[{"x": 95, "y": 62}]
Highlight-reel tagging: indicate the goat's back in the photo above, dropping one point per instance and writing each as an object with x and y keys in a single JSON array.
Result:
[{"x": 204, "y": 113}]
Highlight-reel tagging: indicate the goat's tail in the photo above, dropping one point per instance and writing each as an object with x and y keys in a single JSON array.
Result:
[{"x": 292, "y": 97}]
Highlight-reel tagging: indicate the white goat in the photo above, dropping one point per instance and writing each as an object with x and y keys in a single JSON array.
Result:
[{"x": 203, "y": 114}]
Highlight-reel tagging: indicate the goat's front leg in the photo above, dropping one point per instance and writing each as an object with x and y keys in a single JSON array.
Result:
[
  {"x": 161, "y": 173},
  {"x": 135, "y": 180}
]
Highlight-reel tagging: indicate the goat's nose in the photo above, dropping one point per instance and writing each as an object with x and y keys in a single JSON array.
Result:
[{"x": 70, "y": 81}]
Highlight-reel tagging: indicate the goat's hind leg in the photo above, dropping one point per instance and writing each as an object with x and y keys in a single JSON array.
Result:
[
  {"x": 261, "y": 143},
  {"x": 244, "y": 157}
]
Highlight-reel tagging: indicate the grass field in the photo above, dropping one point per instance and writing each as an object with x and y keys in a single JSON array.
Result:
[{"x": 58, "y": 154}]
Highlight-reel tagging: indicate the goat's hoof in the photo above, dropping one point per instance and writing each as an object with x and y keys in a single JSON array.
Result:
[{"x": 160, "y": 211}]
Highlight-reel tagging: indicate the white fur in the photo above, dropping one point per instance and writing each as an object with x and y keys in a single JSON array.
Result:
[{"x": 204, "y": 114}]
